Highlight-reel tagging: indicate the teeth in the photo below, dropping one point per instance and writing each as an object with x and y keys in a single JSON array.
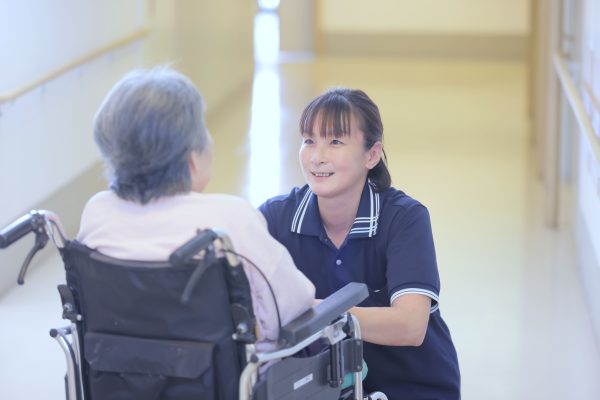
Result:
[{"x": 322, "y": 174}]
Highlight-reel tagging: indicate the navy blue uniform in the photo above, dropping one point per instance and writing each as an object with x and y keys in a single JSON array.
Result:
[{"x": 390, "y": 248}]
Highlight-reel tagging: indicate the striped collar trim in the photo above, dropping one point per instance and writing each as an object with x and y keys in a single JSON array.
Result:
[
  {"x": 301, "y": 211},
  {"x": 307, "y": 220}
]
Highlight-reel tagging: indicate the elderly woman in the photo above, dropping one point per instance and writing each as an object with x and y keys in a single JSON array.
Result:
[{"x": 150, "y": 130}]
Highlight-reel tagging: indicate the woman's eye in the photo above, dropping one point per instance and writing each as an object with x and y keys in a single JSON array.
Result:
[
  {"x": 336, "y": 141},
  {"x": 307, "y": 141}
]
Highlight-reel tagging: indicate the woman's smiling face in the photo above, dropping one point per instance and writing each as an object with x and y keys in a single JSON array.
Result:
[{"x": 336, "y": 166}]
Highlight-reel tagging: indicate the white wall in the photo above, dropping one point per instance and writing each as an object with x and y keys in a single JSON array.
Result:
[
  {"x": 38, "y": 37},
  {"x": 494, "y": 17},
  {"x": 589, "y": 167},
  {"x": 45, "y": 134},
  {"x": 588, "y": 182}
]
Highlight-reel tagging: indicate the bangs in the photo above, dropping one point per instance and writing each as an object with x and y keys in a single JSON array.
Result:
[{"x": 333, "y": 114}]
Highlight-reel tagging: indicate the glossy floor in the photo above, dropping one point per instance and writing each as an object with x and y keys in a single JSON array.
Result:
[{"x": 456, "y": 136}]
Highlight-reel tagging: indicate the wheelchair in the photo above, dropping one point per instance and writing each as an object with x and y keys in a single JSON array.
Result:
[{"x": 184, "y": 328}]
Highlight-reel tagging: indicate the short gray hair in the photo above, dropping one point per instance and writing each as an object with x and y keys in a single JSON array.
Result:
[{"x": 146, "y": 128}]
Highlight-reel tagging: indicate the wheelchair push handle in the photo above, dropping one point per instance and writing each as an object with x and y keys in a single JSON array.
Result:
[
  {"x": 44, "y": 224},
  {"x": 41, "y": 222},
  {"x": 18, "y": 229},
  {"x": 202, "y": 241},
  {"x": 192, "y": 247}
]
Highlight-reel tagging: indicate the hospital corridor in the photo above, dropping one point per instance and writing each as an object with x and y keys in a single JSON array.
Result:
[{"x": 481, "y": 130}]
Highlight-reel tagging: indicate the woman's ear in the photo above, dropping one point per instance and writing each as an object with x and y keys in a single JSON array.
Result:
[{"x": 374, "y": 154}]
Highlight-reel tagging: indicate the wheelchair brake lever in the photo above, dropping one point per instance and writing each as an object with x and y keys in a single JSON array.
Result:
[{"x": 41, "y": 239}]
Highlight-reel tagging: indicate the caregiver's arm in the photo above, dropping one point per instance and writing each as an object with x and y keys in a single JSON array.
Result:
[{"x": 402, "y": 324}]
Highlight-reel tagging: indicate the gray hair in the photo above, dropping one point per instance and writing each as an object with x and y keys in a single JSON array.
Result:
[{"x": 146, "y": 128}]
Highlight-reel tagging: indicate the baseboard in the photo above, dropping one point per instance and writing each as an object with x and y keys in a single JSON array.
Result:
[
  {"x": 427, "y": 45},
  {"x": 589, "y": 269},
  {"x": 67, "y": 202}
]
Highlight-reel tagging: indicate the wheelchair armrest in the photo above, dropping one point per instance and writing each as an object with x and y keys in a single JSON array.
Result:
[{"x": 322, "y": 314}]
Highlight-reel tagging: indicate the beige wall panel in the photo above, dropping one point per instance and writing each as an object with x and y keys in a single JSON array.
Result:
[{"x": 494, "y": 17}]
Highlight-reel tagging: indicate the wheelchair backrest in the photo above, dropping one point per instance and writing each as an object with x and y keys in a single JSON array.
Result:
[{"x": 140, "y": 341}]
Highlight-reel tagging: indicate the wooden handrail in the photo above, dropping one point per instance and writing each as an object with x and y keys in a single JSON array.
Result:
[
  {"x": 4, "y": 97},
  {"x": 574, "y": 98}
]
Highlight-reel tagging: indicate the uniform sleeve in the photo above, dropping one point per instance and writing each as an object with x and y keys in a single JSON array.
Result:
[{"x": 412, "y": 266}]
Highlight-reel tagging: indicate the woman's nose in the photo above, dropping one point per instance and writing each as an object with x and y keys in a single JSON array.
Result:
[{"x": 319, "y": 155}]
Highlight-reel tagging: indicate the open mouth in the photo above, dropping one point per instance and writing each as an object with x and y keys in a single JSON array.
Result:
[{"x": 322, "y": 174}]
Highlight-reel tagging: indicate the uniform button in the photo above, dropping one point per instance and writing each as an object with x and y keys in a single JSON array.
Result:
[{"x": 338, "y": 262}]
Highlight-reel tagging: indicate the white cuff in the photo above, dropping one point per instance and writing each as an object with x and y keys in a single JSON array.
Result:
[{"x": 434, "y": 304}]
